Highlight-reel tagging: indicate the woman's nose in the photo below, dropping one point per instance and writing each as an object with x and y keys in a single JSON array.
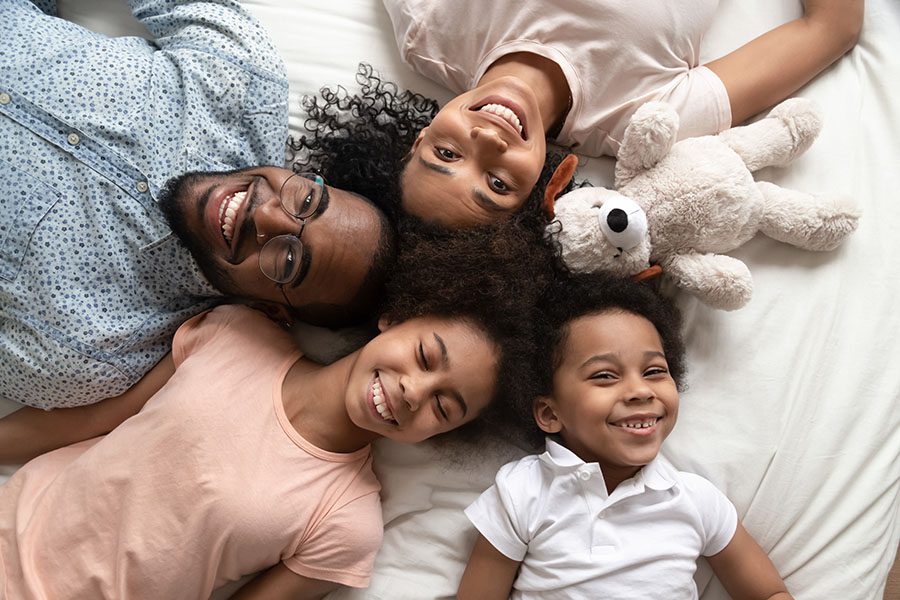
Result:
[{"x": 488, "y": 138}]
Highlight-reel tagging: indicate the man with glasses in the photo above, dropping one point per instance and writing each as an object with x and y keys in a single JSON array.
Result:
[{"x": 102, "y": 256}]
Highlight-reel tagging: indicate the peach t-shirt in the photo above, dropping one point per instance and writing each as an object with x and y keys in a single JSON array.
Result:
[
  {"x": 615, "y": 54},
  {"x": 207, "y": 483}
]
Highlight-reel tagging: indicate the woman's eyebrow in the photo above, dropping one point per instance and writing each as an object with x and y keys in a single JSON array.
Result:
[
  {"x": 481, "y": 198},
  {"x": 434, "y": 167}
]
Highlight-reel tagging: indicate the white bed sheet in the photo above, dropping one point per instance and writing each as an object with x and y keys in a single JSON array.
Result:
[{"x": 792, "y": 406}]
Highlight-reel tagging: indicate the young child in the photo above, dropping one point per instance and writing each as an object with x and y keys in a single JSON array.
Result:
[
  {"x": 600, "y": 514},
  {"x": 561, "y": 70},
  {"x": 251, "y": 456}
]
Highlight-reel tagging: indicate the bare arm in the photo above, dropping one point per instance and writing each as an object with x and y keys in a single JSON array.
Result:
[
  {"x": 746, "y": 571},
  {"x": 489, "y": 574},
  {"x": 29, "y": 432},
  {"x": 771, "y": 67},
  {"x": 280, "y": 583}
]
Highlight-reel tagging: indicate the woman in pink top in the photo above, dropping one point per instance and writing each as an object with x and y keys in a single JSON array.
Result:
[
  {"x": 243, "y": 456},
  {"x": 566, "y": 70}
]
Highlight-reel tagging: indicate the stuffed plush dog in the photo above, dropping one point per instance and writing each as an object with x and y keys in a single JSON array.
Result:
[{"x": 680, "y": 205}]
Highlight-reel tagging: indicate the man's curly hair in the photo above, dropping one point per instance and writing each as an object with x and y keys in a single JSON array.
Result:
[
  {"x": 360, "y": 142},
  {"x": 491, "y": 276},
  {"x": 572, "y": 296}
]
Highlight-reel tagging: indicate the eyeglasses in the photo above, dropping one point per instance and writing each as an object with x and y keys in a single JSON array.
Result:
[{"x": 281, "y": 257}]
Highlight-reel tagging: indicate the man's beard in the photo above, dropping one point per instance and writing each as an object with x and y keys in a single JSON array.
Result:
[{"x": 172, "y": 203}]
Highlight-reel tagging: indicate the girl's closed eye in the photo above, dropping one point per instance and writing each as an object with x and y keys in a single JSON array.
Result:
[
  {"x": 603, "y": 375},
  {"x": 439, "y": 404},
  {"x": 423, "y": 358}
]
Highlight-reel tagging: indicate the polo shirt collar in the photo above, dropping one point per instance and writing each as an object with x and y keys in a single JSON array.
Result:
[{"x": 658, "y": 474}]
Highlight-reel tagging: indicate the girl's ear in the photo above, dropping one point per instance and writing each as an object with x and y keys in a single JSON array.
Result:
[
  {"x": 545, "y": 414},
  {"x": 384, "y": 323}
]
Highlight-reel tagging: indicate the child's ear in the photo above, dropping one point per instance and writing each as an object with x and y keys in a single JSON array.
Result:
[
  {"x": 545, "y": 414},
  {"x": 384, "y": 323}
]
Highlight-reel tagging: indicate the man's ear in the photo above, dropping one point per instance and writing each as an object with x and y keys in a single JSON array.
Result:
[
  {"x": 545, "y": 416},
  {"x": 384, "y": 323},
  {"x": 277, "y": 312}
]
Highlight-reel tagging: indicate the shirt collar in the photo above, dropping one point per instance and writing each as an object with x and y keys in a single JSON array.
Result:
[{"x": 658, "y": 474}]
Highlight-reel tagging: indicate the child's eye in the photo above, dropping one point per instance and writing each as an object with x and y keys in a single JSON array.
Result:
[
  {"x": 655, "y": 371},
  {"x": 602, "y": 375}
]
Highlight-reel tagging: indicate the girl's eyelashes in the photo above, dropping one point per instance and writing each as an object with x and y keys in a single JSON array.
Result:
[
  {"x": 423, "y": 359},
  {"x": 602, "y": 375},
  {"x": 440, "y": 407},
  {"x": 655, "y": 371}
]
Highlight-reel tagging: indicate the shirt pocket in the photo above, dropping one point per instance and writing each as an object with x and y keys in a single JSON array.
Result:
[{"x": 24, "y": 202}]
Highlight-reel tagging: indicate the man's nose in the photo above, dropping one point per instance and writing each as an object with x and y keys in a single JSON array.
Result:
[
  {"x": 270, "y": 220},
  {"x": 488, "y": 139}
]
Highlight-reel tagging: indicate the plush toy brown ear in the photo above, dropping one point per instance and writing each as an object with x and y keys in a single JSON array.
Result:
[
  {"x": 648, "y": 273},
  {"x": 558, "y": 182}
]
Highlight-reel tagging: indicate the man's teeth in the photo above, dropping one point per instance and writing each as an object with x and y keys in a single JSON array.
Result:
[
  {"x": 380, "y": 405},
  {"x": 504, "y": 113},
  {"x": 228, "y": 211},
  {"x": 639, "y": 424}
]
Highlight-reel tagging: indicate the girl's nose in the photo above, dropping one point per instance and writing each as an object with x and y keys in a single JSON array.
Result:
[
  {"x": 638, "y": 390},
  {"x": 488, "y": 138}
]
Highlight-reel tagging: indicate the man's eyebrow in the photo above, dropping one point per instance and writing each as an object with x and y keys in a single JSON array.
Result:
[{"x": 445, "y": 362}]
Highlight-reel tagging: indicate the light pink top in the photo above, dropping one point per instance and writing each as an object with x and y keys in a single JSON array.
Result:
[
  {"x": 207, "y": 483},
  {"x": 616, "y": 55}
]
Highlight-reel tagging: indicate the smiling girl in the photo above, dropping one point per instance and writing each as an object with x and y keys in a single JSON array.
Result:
[{"x": 251, "y": 457}]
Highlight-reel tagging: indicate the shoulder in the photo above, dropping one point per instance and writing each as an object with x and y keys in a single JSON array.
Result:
[{"x": 229, "y": 324}]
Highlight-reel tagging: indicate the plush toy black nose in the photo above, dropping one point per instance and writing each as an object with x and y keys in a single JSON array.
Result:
[{"x": 617, "y": 219}]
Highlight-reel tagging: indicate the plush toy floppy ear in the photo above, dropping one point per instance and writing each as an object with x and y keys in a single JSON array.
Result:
[{"x": 558, "y": 182}]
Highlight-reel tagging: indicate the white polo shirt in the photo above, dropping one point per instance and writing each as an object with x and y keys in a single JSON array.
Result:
[
  {"x": 552, "y": 513},
  {"x": 615, "y": 56}
]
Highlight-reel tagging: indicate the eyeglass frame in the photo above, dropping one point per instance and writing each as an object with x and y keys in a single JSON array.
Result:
[{"x": 317, "y": 180}]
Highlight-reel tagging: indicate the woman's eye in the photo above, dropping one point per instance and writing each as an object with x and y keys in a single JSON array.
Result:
[
  {"x": 446, "y": 153},
  {"x": 497, "y": 184}
]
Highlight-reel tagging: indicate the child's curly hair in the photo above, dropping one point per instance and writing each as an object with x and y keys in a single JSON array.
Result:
[
  {"x": 360, "y": 142},
  {"x": 492, "y": 276},
  {"x": 572, "y": 296}
]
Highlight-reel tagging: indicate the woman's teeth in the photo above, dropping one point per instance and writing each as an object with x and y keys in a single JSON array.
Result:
[
  {"x": 228, "y": 211},
  {"x": 380, "y": 404},
  {"x": 505, "y": 114}
]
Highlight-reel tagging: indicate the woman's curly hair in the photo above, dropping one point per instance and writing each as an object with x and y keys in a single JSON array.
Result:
[
  {"x": 572, "y": 296},
  {"x": 491, "y": 276},
  {"x": 361, "y": 142}
]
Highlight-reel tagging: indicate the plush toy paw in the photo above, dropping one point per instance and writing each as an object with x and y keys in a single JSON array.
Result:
[
  {"x": 803, "y": 122},
  {"x": 720, "y": 281}
]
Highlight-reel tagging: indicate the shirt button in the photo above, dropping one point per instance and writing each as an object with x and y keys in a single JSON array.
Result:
[
  {"x": 5, "y": 98},
  {"x": 73, "y": 139},
  {"x": 584, "y": 475},
  {"x": 142, "y": 186}
]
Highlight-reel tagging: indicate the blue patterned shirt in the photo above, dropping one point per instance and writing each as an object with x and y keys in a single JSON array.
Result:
[{"x": 93, "y": 283}]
